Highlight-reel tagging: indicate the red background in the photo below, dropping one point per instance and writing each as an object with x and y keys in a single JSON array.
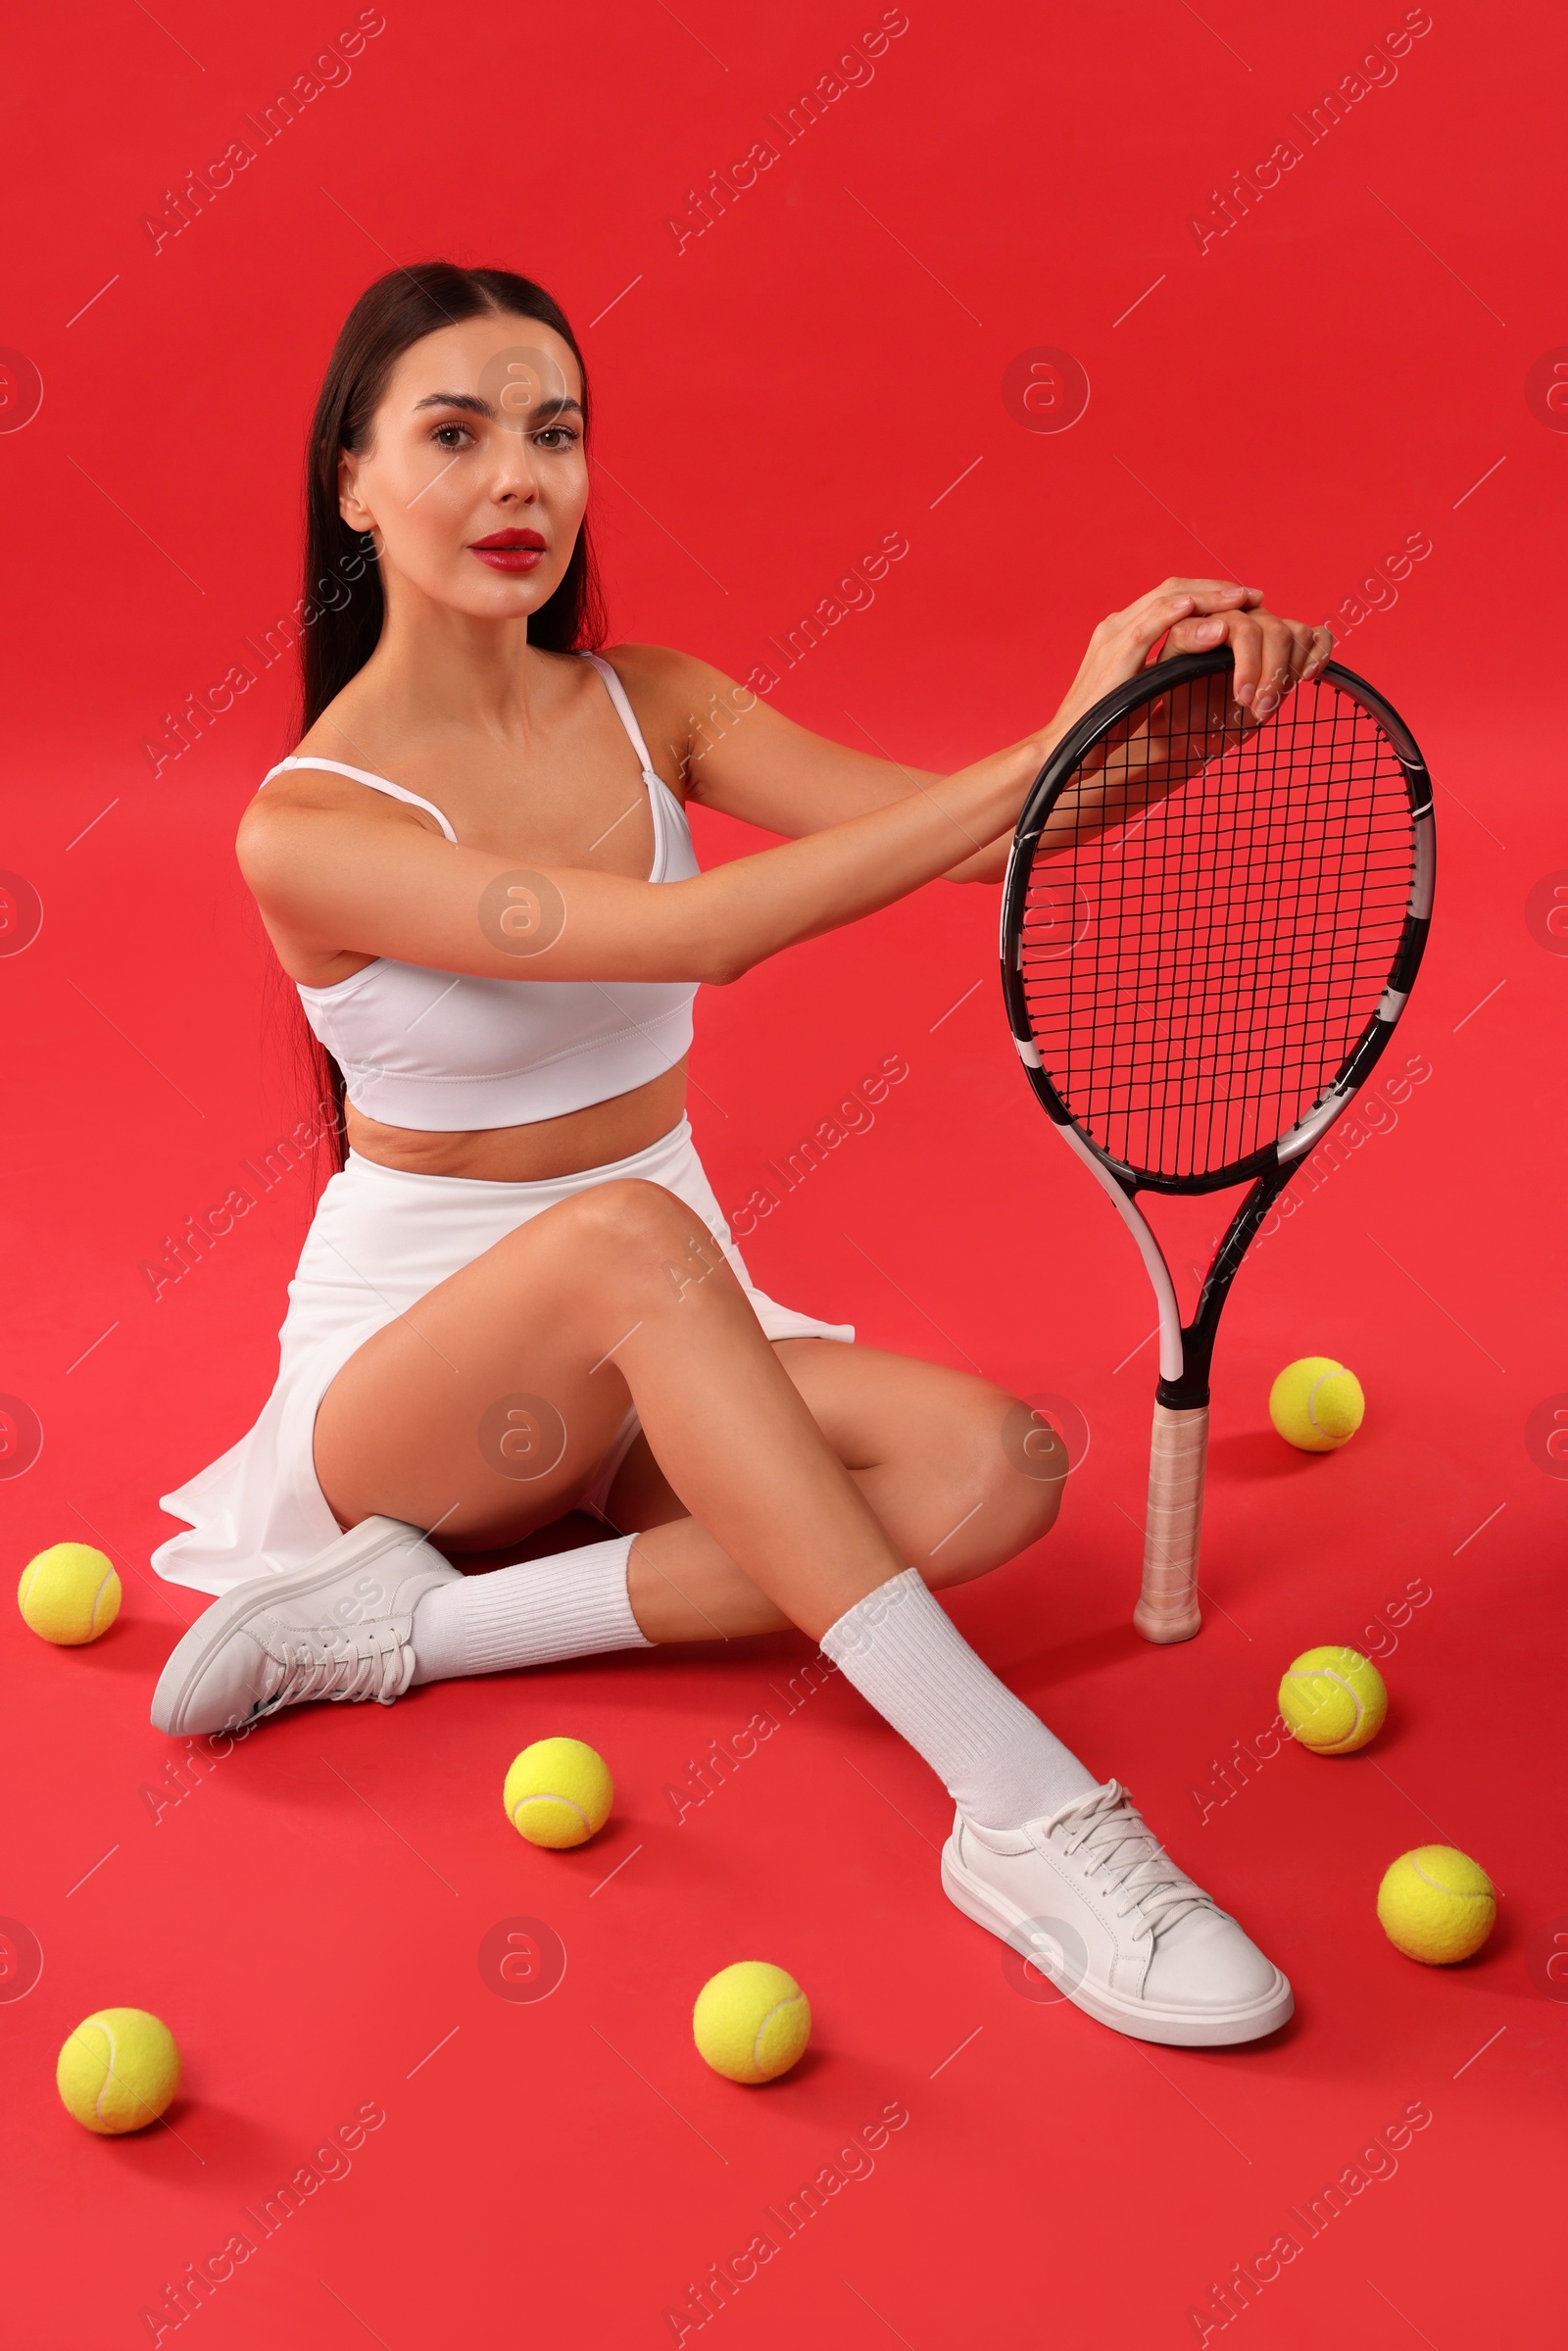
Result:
[{"x": 1337, "y": 372}]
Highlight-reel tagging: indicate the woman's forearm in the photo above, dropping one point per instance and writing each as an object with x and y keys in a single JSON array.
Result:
[{"x": 747, "y": 910}]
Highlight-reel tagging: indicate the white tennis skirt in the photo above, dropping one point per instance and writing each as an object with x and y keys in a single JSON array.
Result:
[{"x": 379, "y": 1240}]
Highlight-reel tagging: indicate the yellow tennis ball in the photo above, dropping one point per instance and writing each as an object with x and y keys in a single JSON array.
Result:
[
  {"x": 1334, "y": 1700},
  {"x": 1435, "y": 1904},
  {"x": 1316, "y": 1405},
  {"x": 559, "y": 1792},
  {"x": 68, "y": 1594},
  {"x": 118, "y": 2070},
  {"x": 752, "y": 2021}
]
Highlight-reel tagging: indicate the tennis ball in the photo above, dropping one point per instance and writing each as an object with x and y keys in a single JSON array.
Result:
[
  {"x": 1334, "y": 1700},
  {"x": 752, "y": 2021},
  {"x": 557, "y": 1792},
  {"x": 1435, "y": 1904},
  {"x": 68, "y": 1594},
  {"x": 118, "y": 2070},
  {"x": 1316, "y": 1405}
]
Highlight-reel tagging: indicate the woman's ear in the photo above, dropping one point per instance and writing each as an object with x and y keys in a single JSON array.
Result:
[{"x": 354, "y": 511}]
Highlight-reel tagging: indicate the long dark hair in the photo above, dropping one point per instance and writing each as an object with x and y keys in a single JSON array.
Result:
[{"x": 344, "y": 606}]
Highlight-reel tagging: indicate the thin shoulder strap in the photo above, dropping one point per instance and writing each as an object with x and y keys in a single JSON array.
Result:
[
  {"x": 360, "y": 775},
  {"x": 617, "y": 695}
]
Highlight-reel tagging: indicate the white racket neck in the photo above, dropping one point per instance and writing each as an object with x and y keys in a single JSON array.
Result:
[{"x": 1172, "y": 1358}]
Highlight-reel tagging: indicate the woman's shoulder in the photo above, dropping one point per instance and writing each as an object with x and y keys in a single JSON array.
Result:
[
  {"x": 678, "y": 698},
  {"x": 653, "y": 675},
  {"x": 357, "y": 735},
  {"x": 306, "y": 776},
  {"x": 659, "y": 668},
  {"x": 320, "y": 774}
]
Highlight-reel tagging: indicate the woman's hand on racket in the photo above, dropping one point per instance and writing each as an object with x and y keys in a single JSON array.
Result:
[
  {"x": 1158, "y": 748},
  {"x": 1270, "y": 655},
  {"x": 1194, "y": 616},
  {"x": 1124, "y": 642}
]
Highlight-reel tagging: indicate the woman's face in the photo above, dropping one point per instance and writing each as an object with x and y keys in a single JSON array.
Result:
[{"x": 475, "y": 481}]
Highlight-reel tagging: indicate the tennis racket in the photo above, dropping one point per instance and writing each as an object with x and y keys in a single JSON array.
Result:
[{"x": 1208, "y": 933}]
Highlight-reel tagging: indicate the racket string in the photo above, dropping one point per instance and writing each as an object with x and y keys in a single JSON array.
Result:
[{"x": 1197, "y": 970}]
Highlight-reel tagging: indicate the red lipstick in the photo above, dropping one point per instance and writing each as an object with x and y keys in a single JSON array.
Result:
[{"x": 509, "y": 550}]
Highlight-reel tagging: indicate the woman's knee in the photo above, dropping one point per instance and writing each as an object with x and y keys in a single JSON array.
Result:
[
  {"x": 624, "y": 1229},
  {"x": 1029, "y": 1469},
  {"x": 1018, "y": 1470}
]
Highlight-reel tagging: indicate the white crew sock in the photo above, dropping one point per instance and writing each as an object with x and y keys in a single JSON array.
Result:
[
  {"x": 994, "y": 1756},
  {"x": 568, "y": 1606}
]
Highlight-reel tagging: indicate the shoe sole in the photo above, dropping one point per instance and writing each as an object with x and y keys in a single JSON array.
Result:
[
  {"x": 1177, "y": 2028},
  {"x": 194, "y": 1652}
]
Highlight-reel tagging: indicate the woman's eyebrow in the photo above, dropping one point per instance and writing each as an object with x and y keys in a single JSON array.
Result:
[
  {"x": 463, "y": 399},
  {"x": 470, "y": 402}
]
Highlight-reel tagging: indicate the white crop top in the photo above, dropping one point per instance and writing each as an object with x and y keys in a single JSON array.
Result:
[{"x": 450, "y": 1052}]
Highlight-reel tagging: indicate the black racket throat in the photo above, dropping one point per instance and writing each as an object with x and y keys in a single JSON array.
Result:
[{"x": 1190, "y": 1388}]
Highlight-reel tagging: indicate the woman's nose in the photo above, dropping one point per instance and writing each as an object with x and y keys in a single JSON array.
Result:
[{"x": 513, "y": 473}]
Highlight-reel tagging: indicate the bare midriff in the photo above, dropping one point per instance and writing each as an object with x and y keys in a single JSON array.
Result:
[{"x": 592, "y": 1137}]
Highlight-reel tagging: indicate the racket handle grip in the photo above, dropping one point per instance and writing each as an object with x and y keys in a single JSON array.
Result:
[{"x": 1178, "y": 1453}]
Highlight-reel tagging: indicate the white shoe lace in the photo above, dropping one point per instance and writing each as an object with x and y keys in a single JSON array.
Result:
[
  {"x": 371, "y": 1661},
  {"x": 1124, "y": 1853}
]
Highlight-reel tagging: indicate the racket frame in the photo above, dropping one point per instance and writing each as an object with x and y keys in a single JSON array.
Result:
[{"x": 1186, "y": 1350}]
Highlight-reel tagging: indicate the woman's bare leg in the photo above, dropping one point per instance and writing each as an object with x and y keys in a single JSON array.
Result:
[
  {"x": 428, "y": 1426},
  {"x": 940, "y": 1455},
  {"x": 618, "y": 1291}
]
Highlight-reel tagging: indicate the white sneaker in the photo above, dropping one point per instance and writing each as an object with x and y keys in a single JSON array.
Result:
[
  {"x": 1090, "y": 1895},
  {"x": 337, "y": 1629}
]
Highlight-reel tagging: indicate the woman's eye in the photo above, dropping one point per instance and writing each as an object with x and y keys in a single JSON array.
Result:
[
  {"x": 458, "y": 434},
  {"x": 559, "y": 436}
]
